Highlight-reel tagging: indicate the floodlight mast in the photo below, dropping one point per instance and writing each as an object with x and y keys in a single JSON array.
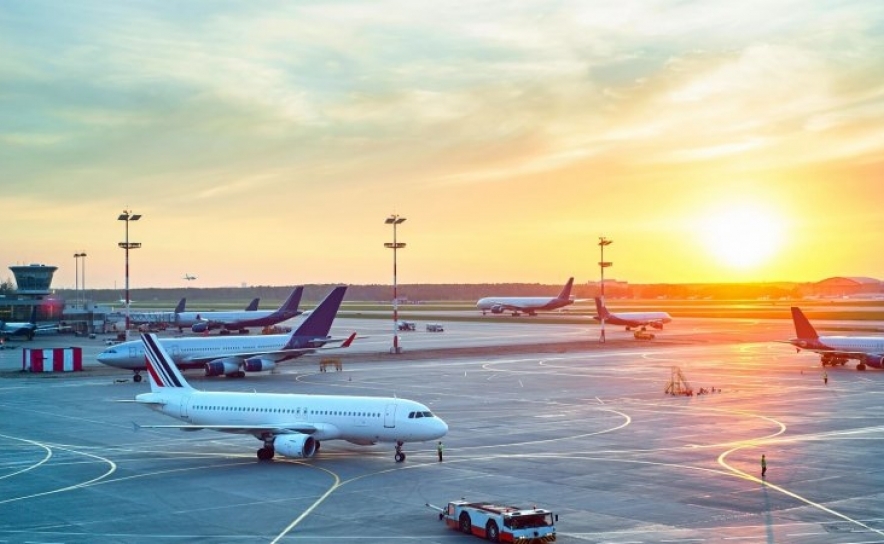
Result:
[
  {"x": 77, "y": 257},
  {"x": 395, "y": 220},
  {"x": 602, "y": 266},
  {"x": 128, "y": 216}
]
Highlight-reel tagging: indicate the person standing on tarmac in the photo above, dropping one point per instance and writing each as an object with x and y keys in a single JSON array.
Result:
[
  {"x": 439, "y": 450},
  {"x": 825, "y": 378},
  {"x": 763, "y": 466}
]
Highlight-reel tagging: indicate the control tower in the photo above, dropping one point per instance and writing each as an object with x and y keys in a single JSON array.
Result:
[{"x": 33, "y": 280}]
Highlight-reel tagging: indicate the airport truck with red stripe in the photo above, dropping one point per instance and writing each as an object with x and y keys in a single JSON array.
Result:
[{"x": 500, "y": 523}]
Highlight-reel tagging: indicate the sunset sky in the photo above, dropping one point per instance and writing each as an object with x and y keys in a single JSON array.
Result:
[{"x": 265, "y": 143}]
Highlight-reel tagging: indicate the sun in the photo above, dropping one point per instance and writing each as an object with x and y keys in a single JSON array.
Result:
[{"x": 742, "y": 236}]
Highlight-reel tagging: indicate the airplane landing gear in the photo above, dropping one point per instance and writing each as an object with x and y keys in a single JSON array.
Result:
[
  {"x": 266, "y": 453},
  {"x": 399, "y": 455},
  {"x": 137, "y": 377}
]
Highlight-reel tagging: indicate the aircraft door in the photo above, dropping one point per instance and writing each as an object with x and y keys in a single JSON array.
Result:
[
  {"x": 390, "y": 416},
  {"x": 184, "y": 402}
]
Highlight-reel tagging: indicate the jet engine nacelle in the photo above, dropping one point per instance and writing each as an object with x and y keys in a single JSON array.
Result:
[
  {"x": 497, "y": 309},
  {"x": 658, "y": 326},
  {"x": 875, "y": 360},
  {"x": 257, "y": 364},
  {"x": 295, "y": 445},
  {"x": 199, "y": 327},
  {"x": 220, "y": 367}
]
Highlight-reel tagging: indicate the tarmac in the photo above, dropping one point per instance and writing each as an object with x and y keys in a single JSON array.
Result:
[{"x": 541, "y": 415}]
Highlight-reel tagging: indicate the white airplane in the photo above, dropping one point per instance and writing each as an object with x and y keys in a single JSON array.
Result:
[
  {"x": 631, "y": 320},
  {"x": 289, "y": 424},
  {"x": 234, "y": 356},
  {"x": 528, "y": 305},
  {"x": 837, "y": 350},
  {"x": 239, "y": 320}
]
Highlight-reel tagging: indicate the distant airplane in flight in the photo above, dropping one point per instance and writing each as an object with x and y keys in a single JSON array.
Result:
[
  {"x": 528, "y": 305},
  {"x": 188, "y": 277},
  {"x": 631, "y": 320},
  {"x": 289, "y": 424},
  {"x": 837, "y": 350}
]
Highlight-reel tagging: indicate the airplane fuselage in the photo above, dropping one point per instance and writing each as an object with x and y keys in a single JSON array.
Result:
[
  {"x": 361, "y": 420},
  {"x": 637, "y": 319},
  {"x": 130, "y": 355},
  {"x": 521, "y": 304}
]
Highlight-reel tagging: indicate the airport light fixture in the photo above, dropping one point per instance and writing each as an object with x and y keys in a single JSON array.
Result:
[
  {"x": 395, "y": 220},
  {"x": 128, "y": 216},
  {"x": 77, "y": 257},
  {"x": 603, "y": 264}
]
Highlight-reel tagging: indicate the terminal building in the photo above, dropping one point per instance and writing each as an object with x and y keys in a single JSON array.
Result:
[{"x": 34, "y": 288}]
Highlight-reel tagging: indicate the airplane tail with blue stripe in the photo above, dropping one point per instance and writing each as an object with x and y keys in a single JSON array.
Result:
[{"x": 162, "y": 372}]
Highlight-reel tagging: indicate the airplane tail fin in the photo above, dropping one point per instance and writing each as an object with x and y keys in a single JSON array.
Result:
[
  {"x": 180, "y": 307},
  {"x": 803, "y": 329},
  {"x": 318, "y": 323},
  {"x": 161, "y": 370},
  {"x": 601, "y": 308},
  {"x": 291, "y": 304},
  {"x": 253, "y": 305},
  {"x": 33, "y": 319},
  {"x": 566, "y": 291}
]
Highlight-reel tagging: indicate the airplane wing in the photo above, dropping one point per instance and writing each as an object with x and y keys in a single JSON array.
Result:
[
  {"x": 278, "y": 355},
  {"x": 256, "y": 430}
]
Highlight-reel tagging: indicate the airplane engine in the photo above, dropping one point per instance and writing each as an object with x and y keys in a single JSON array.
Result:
[
  {"x": 257, "y": 364},
  {"x": 220, "y": 367},
  {"x": 658, "y": 326},
  {"x": 874, "y": 360},
  {"x": 497, "y": 309},
  {"x": 295, "y": 445},
  {"x": 199, "y": 327}
]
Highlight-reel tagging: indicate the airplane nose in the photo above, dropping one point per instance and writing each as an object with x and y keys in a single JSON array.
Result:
[{"x": 443, "y": 428}]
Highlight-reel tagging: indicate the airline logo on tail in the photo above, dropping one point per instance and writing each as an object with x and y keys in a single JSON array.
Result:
[{"x": 160, "y": 368}]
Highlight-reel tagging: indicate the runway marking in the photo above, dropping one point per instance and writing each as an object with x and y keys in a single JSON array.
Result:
[
  {"x": 46, "y": 458},
  {"x": 111, "y": 470},
  {"x": 312, "y": 507}
]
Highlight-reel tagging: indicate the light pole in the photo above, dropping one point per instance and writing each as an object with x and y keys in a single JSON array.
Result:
[
  {"x": 127, "y": 216},
  {"x": 77, "y": 257},
  {"x": 395, "y": 220},
  {"x": 602, "y": 266}
]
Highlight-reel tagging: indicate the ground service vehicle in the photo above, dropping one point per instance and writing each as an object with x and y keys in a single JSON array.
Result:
[
  {"x": 406, "y": 326},
  {"x": 434, "y": 327},
  {"x": 500, "y": 523}
]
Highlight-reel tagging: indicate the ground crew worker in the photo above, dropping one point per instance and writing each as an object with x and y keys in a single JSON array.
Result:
[
  {"x": 825, "y": 378},
  {"x": 763, "y": 466},
  {"x": 439, "y": 450}
]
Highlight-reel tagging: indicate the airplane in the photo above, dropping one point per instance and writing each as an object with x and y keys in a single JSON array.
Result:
[
  {"x": 253, "y": 305},
  {"x": 234, "y": 356},
  {"x": 156, "y": 318},
  {"x": 528, "y": 305},
  {"x": 239, "y": 320},
  {"x": 188, "y": 277},
  {"x": 28, "y": 330},
  {"x": 289, "y": 424},
  {"x": 631, "y": 320},
  {"x": 837, "y": 350}
]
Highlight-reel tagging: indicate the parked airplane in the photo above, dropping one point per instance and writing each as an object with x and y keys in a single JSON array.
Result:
[
  {"x": 837, "y": 350},
  {"x": 28, "y": 330},
  {"x": 289, "y": 424},
  {"x": 631, "y": 320},
  {"x": 528, "y": 305},
  {"x": 234, "y": 356},
  {"x": 253, "y": 305},
  {"x": 240, "y": 320},
  {"x": 157, "y": 318}
]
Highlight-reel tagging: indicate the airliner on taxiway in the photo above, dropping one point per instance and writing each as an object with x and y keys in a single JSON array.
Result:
[
  {"x": 289, "y": 424},
  {"x": 528, "y": 305}
]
